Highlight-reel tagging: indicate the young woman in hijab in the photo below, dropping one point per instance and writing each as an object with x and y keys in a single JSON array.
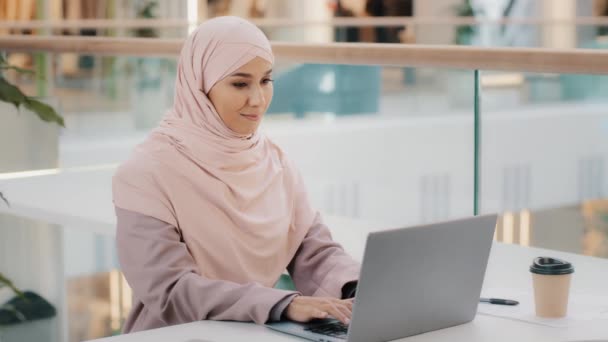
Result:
[{"x": 210, "y": 212}]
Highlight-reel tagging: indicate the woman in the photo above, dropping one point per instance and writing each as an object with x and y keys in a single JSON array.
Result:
[{"x": 210, "y": 212}]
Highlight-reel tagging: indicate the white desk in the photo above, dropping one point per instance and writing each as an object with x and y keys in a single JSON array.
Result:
[{"x": 84, "y": 199}]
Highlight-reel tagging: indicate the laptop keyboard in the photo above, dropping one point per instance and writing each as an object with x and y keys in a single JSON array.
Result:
[{"x": 334, "y": 329}]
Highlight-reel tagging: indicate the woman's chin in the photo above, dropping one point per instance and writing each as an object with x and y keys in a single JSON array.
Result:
[
  {"x": 247, "y": 132},
  {"x": 248, "y": 128}
]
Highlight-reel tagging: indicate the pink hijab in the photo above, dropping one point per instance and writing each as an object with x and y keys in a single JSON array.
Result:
[{"x": 237, "y": 201}]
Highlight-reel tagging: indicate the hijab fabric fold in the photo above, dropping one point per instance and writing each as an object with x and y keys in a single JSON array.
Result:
[{"x": 237, "y": 201}]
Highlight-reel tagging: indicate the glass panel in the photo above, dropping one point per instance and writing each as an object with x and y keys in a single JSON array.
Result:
[
  {"x": 74, "y": 269},
  {"x": 110, "y": 95},
  {"x": 108, "y": 103},
  {"x": 403, "y": 137},
  {"x": 544, "y": 151}
]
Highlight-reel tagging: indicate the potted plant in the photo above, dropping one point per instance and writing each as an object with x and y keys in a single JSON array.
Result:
[
  {"x": 23, "y": 307},
  {"x": 13, "y": 95},
  {"x": 18, "y": 128}
]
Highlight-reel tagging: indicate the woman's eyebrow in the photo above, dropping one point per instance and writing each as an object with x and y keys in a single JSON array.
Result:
[{"x": 244, "y": 74}]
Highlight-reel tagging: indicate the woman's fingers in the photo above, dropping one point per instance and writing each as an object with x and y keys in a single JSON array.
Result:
[
  {"x": 339, "y": 311},
  {"x": 348, "y": 313},
  {"x": 348, "y": 303},
  {"x": 342, "y": 309},
  {"x": 316, "y": 313},
  {"x": 303, "y": 309}
]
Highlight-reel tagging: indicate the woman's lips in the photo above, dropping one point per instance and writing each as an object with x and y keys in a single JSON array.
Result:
[{"x": 251, "y": 117}]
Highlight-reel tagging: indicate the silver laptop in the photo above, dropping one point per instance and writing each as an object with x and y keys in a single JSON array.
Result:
[{"x": 413, "y": 280}]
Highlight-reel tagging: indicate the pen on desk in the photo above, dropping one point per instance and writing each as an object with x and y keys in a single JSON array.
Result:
[{"x": 499, "y": 301}]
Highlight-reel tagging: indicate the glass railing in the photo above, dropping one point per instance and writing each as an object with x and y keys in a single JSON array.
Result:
[
  {"x": 73, "y": 268},
  {"x": 432, "y": 139},
  {"x": 544, "y": 149}
]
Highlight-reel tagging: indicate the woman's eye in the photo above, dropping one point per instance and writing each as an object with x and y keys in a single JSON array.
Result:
[
  {"x": 240, "y": 84},
  {"x": 267, "y": 80}
]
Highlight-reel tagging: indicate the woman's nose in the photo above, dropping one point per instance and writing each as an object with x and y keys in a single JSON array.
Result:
[{"x": 256, "y": 98}]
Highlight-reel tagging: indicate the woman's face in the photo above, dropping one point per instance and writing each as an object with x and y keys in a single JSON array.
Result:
[{"x": 241, "y": 98}]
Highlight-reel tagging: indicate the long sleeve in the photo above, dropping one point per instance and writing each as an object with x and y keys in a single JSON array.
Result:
[
  {"x": 276, "y": 314},
  {"x": 321, "y": 267},
  {"x": 166, "y": 286}
]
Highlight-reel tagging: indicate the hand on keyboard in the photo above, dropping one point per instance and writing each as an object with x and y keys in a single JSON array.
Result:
[{"x": 304, "y": 309}]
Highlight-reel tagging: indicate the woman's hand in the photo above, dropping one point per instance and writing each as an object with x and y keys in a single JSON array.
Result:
[{"x": 304, "y": 309}]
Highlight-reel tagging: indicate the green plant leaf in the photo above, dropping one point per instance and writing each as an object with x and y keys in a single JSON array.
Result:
[
  {"x": 5, "y": 282},
  {"x": 11, "y": 94},
  {"x": 44, "y": 111}
]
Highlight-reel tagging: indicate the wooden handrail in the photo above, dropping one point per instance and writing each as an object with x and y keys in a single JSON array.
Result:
[
  {"x": 581, "y": 61},
  {"x": 280, "y": 22},
  {"x": 105, "y": 46}
]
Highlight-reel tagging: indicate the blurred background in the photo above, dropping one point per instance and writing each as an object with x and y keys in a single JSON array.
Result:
[{"x": 386, "y": 146}]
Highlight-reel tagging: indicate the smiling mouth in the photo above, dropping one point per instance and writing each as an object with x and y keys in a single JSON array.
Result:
[{"x": 251, "y": 117}]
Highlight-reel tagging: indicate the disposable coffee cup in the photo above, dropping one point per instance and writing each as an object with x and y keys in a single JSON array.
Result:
[{"x": 551, "y": 280}]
